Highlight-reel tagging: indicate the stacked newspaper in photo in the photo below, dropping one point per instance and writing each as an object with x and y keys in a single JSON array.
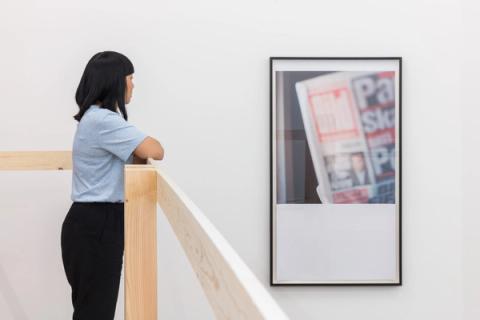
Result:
[{"x": 349, "y": 120}]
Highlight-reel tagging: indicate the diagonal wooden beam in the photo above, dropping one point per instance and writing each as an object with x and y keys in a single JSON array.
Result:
[{"x": 232, "y": 289}]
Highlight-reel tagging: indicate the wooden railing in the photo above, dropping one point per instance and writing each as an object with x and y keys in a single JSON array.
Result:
[{"x": 231, "y": 288}]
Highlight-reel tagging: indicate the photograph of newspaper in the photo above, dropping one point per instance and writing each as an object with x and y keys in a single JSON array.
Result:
[{"x": 349, "y": 120}]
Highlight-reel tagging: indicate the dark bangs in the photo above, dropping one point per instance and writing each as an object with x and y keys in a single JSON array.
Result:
[{"x": 104, "y": 80}]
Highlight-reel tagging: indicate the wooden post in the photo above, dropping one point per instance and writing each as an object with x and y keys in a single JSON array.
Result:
[{"x": 140, "y": 242}]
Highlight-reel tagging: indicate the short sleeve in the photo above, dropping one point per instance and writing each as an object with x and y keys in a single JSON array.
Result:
[{"x": 118, "y": 136}]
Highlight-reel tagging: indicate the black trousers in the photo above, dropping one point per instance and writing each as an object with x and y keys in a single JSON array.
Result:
[{"x": 92, "y": 241}]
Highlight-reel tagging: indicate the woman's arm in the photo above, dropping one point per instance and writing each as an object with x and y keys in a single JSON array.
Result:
[{"x": 149, "y": 148}]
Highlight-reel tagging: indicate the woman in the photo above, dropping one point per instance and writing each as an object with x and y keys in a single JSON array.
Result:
[{"x": 92, "y": 232}]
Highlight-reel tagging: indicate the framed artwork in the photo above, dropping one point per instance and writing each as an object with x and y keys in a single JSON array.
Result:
[{"x": 335, "y": 171}]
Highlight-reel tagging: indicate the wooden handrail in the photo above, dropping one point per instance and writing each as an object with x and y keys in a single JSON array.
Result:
[
  {"x": 232, "y": 289},
  {"x": 35, "y": 160}
]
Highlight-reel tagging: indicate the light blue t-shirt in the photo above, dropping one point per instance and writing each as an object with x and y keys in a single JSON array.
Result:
[{"x": 104, "y": 142}]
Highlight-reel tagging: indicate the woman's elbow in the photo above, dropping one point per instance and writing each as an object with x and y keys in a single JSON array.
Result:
[
  {"x": 157, "y": 151},
  {"x": 150, "y": 148},
  {"x": 159, "y": 155}
]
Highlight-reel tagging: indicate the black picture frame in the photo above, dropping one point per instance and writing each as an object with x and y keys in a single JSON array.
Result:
[{"x": 398, "y": 201}]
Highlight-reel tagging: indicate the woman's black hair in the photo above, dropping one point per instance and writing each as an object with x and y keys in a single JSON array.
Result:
[{"x": 104, "y": 80}]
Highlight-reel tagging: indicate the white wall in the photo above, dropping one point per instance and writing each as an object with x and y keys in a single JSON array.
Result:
[
  {"x": 202, "y": 89},
  {"x": 471, "y": 157}
]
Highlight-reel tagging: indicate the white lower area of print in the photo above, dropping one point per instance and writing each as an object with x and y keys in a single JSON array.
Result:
[{"x": 323, "y": 243}]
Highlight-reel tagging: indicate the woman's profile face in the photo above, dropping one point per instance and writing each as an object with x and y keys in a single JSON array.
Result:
[{"x": 129, "y": 88}]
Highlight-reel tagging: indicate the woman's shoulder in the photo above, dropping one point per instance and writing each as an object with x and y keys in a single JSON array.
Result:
[{"x": 96, "y": 114}]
